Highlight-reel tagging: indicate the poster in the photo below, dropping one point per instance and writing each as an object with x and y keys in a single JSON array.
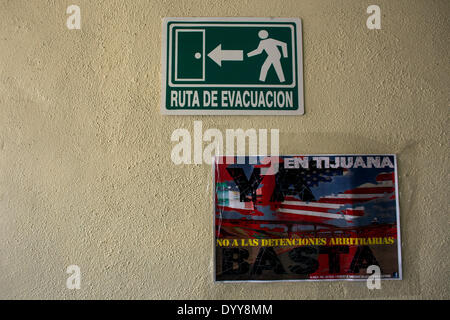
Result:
[{"x": 306, "y": 217}]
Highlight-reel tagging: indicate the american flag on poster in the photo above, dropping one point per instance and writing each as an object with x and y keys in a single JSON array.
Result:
[{"x": 306, "y": 217}]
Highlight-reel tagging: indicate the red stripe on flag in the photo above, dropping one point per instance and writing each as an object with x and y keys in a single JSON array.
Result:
[
  {"x": 354, "y": 212},
  {"x": 300, "y": 217},
  {"x": 385, "y": 177},
  {"x": 370, "y": 190}
]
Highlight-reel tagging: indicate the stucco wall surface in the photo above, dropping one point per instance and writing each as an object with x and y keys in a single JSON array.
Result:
[{"x": 85, "y": 171}]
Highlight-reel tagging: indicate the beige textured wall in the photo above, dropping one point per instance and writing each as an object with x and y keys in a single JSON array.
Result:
[{"x": 85, "y": 170}]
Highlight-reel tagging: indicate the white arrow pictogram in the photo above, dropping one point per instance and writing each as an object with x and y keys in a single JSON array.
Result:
[{"x": 218, "y": 55}]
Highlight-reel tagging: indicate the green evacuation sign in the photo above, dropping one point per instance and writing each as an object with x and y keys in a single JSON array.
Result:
[{"x": 232, "y": 66}]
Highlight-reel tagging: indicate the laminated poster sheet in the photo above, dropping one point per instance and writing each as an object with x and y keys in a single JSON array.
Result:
[{"x": 306, "y": 217}]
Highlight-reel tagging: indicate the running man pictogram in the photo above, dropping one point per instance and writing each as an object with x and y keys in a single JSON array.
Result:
[{"x": 273, "y": 55}]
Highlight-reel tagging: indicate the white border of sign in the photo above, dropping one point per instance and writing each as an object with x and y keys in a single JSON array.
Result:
[{"x": 187, "y": 111}]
